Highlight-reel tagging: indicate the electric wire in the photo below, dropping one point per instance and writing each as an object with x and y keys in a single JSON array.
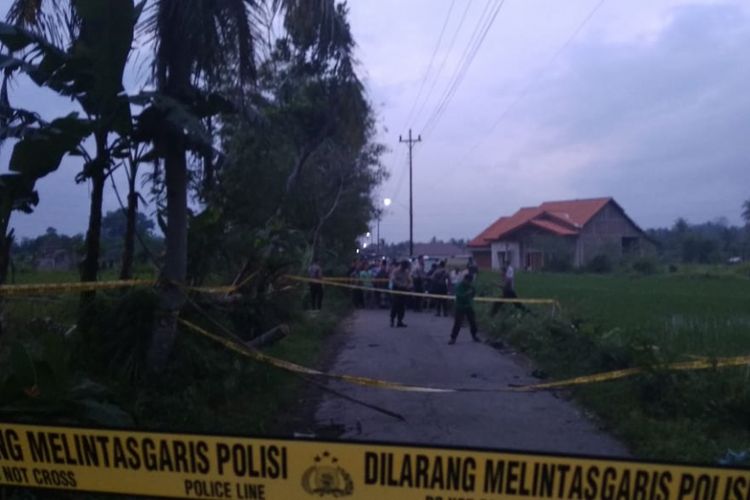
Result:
[
  {"x": 470, "y": 54},
  {"x": 535, "y": 79},
  {"x": 429, "y": 66},
  {"x": 442, "y": 64}
]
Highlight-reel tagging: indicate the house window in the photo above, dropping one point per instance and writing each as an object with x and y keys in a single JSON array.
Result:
[
  {"x": 534, "y": 261},
  {"x": 504, "y": 258}
]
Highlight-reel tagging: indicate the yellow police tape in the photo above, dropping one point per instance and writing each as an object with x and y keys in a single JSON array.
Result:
[
  {"x": 134, "y": 462},
  {"x": 89, "y": 286},
  {"x": 57, "y": 288},
  {"x": 327, "y": 281},
  {"x": 398, "y": 386},
  {"x": 345, "y": 279},
  {"x": 295, "y": 368}
]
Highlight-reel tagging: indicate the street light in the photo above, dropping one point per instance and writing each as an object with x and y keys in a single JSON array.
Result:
[{"x": 387, "y": 203}]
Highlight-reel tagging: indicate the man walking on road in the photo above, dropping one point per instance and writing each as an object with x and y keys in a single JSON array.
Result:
[
  {"x": 509, "y": 290},
  {"x": 401, "y": 282},
  {"x": 465, "y": 293}
]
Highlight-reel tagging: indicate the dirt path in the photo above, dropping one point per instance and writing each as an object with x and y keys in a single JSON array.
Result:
[{"x": 420, "y": 354}]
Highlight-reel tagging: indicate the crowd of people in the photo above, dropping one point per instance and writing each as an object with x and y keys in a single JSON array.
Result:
[
  {"x": 406, "y": 275},
  {"x": 376, "y": 280}
]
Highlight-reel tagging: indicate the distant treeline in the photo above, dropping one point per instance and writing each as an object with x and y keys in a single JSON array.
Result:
[
  {"x": 705, "y": 243},
  {"x": 53, "y": 250}
]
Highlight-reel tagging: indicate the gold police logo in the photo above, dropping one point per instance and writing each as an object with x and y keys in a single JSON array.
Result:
[{"x": 326, "y": 477}]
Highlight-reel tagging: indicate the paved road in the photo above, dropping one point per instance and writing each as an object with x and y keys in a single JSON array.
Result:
[{"x": 420, "y": 354}]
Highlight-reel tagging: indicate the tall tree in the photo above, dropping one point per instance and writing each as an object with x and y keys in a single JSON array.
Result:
[
  {"x": 205, "y": 45},
  {"x": 89, "y": 68}
]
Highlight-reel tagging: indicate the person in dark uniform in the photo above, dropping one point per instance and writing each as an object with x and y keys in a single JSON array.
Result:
[
  {"x": 472, "y": 268},
  {"x": 440, "y": 287},
  {"x": 418, "y": 275},
  {"x": 465, "y": 293},
  {"x": 400, "y": 282},
  {"x": 381, "y": 283}
]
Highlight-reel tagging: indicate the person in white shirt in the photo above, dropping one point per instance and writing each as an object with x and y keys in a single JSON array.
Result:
[{"x": 509, "y": 289}]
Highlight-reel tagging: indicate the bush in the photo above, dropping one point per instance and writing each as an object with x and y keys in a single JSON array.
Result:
[
  {"x": 743, "y": 269},
  {"x": 645, "y": 265},
  {"x": 600, "y": 264}
]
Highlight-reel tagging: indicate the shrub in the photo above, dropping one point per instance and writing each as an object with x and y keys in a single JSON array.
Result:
[
  {"x": 600, "y": 264},
  {"x": 558, "y": 264},
  {"x": 743, "y": 269},
  {"x": 645, "y": 265}
]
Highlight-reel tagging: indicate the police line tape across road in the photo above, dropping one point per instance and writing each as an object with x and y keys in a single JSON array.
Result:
[
  {"x": 50, "y": 288},
  {"x": 160, "y": 464},
  {"x": 397, "y": 386},
  {"x": 327, "y": 281},
  {"x": 90, "y": 286},
  {"x": 700, "y": 364}
]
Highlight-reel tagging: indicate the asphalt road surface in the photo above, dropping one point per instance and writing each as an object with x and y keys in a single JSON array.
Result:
[{"x": 420, "y": 354}]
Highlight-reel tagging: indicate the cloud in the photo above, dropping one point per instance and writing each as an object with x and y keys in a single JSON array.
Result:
[
  {"x": 656, "y": 117},
  {"x": 664, "y": 124}
]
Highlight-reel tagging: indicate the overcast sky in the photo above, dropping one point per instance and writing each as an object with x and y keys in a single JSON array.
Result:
[{"x": 647, "y": 103}]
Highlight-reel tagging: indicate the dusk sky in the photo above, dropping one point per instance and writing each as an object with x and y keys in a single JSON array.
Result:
[{"x": 645, "y": 101}]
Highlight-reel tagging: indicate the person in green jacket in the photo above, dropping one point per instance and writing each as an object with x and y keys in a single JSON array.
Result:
[{"x": 465, "y": 293}]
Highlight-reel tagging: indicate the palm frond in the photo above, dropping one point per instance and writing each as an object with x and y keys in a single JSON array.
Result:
[{"x": 56, "y": 20}]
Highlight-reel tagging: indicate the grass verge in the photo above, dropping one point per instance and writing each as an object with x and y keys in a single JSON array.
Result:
[{"x": 613, "y": 321}]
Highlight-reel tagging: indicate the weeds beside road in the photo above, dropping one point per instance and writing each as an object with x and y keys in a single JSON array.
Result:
[{"x": 610, "y": 322}]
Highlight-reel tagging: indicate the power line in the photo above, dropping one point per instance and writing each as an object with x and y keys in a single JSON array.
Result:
[
  {"x": 470, "y": 55},
  {"x": 537, "y": 76},
  {"x": 429, "y": 66},
  {"x": 481, "y": 21},
  {"x": 442, "y": 64}
]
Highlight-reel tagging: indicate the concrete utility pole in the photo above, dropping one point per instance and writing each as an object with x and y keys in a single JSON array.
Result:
[{"x": 411, "y": 143}]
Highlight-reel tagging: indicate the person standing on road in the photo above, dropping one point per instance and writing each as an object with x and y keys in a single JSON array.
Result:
[
  {"x": 418, "y": 276},
  {"x": 440, "y": 287},
  {"x": 365, "y": 280},
  {"x": 465, "y": 293},
  {"x": 316, "y": 289},
  {"x": 400, "y": 282},
  {"x": 472, "y": 268},
  {"x": 381, "y": 283}
]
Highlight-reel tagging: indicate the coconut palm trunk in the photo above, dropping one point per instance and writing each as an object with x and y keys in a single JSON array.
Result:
[{"x": 126, "y": 271}]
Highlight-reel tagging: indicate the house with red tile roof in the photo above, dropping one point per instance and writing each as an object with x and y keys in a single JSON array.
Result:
[{"x": 574, "y": 231}]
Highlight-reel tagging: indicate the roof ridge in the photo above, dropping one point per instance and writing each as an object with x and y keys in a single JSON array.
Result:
[{"x": 597, "y": 198}]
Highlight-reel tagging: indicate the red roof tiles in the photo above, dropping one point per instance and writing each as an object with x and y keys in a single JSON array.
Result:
[{"x": 563, "y": 218}]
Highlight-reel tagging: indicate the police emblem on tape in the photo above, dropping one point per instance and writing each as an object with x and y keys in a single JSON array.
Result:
[{"x": 326, "y": 477}]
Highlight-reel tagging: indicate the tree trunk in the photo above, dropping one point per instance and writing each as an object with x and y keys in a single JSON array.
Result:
[
  {"x": 90, "y": 264},
  {"x": 175, "y": 265},
  {"x": 126, "y": 272},
  {"x": 174, "y": 72},
  {"x": 6, "y": 241}
]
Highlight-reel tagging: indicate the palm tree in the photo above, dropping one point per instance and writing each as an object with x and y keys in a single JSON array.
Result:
[
  {"x": 208, "y": 45},
  {"x": 99, "y": 32}
]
